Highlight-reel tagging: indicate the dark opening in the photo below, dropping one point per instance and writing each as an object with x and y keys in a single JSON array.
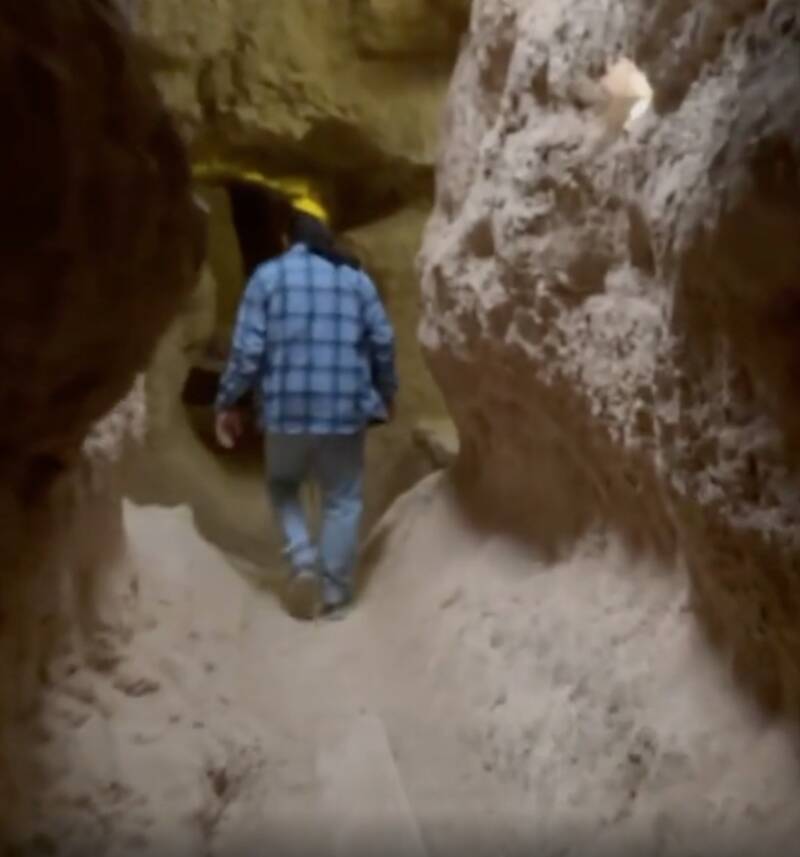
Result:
[{"x": 260, "y": 219}]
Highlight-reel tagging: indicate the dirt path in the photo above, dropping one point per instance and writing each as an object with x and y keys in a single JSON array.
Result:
[{"x": 475, "y": 699}]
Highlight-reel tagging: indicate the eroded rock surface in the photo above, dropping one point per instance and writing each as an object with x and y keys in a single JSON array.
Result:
[
  {"x": 351, "y": 91},
  {"x": 99, "y": 243},
  {"x": 609, "y": 308}
]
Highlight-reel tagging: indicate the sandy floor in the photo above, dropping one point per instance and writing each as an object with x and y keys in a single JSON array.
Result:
[{"x": 475, "y": 699}]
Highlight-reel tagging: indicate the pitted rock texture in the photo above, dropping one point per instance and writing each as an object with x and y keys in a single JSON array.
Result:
[{"x": 610, "y": 310}]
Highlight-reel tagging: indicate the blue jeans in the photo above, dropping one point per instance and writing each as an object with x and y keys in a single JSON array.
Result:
[{"x": 336, "y": 463}]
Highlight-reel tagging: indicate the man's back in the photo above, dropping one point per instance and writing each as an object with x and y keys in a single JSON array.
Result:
[
  {"x": 313, "y": 340},
  {"x": 322, "y": 342}
]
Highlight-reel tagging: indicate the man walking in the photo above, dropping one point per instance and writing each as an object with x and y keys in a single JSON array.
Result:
[{"x": 314, "y": 344}]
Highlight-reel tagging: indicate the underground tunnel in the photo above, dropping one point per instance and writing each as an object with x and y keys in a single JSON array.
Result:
[
  {"x": 579, "y": 635},
  {"x": 246, "y": 213}
]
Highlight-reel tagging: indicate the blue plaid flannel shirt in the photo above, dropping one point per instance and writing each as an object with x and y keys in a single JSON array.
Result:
[{"x": 314, "y": 343}]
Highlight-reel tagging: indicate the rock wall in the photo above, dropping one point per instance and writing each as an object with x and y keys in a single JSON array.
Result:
[
  {"x": 86, "y": 165},
  {"x": 292, "y": 70},
  {"x": 394, "y": 463},
  {"x": 69, "y": 610},
  {"x": 98, "y": 248},
  {"x": 346, "y": 92},
  {"x": 610, "y": 305}
]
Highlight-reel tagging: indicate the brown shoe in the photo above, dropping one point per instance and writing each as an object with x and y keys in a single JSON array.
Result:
[{"x": 302, "y": 595}]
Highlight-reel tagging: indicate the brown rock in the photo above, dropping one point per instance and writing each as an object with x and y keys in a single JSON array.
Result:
[
  {"x": 663, "y": 258},
  {"x": 101, "y": 239}
]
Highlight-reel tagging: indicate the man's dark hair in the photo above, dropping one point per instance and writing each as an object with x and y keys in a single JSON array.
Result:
[{"x": 309, "y": 230}]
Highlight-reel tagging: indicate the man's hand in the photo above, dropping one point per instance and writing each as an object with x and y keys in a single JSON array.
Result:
[
  {"x": 229, "y": 428},
  {"x": 390, "y": 411}
]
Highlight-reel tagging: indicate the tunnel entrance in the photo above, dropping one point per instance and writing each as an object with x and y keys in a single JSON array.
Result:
[
  {"x": 247, "y": 211},
  {"x": 260, "y": 216}
]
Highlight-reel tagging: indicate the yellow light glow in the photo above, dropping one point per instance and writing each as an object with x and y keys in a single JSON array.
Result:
[{"x": 300, "y": 191}]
